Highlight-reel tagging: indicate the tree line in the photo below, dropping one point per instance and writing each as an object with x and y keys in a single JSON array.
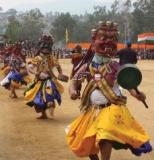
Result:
[{"x": 133, "y": 19}]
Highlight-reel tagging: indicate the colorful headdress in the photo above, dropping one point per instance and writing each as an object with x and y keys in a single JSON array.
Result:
[
  {"x": 106, "y": 39},
  {"x": 17, "y": 48},
  {"x": 36, "y": 60},
  {"x": 46, "y": 42},
  {"x": 104, "y": 42}
]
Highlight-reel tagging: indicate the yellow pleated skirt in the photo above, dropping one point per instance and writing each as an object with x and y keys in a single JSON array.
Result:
[
  {"x": 114, "y": 123},
  {"x": 28, "y": 79},
  {"x": 32, "y": 92}
]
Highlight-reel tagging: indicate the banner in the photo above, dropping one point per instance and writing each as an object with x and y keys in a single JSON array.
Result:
[
  {"x": 66, "y": 36},
  {"x": 147, "y": 38}
]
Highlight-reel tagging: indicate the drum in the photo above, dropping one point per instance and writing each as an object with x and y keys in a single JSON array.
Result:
[{"x": 130, "y": 77}]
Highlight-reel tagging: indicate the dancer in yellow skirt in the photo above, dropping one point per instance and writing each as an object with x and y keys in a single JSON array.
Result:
[
  {"x": 45, "y": 89},
  {"x": 106, "y": 122}
]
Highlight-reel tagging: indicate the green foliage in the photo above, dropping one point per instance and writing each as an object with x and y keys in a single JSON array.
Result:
[
  {"x": 13, "y": 29},
  {"x": 29, "y": 27},
  {"x": 61, "y": 23},
  {"x": 143, "y": 17},
  {"x": 32, "y": 26},
  {"x": 133, "y": 19}
]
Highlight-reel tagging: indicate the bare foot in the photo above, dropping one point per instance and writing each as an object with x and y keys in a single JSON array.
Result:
[
  {"x": 42, "y": 117},
  {"x": 13, "y": 96}
]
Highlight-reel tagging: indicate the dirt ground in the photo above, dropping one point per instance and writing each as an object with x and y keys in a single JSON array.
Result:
[{"x": 23, "y": 137}]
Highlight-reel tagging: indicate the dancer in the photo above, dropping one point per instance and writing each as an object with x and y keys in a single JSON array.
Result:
[
  {"x": 105, "y": 121},
  {"x": 15, "y": 71},
  {"x": 46, "y": 89},
  {"x": 76, "y": 59},
  {"x": 82, "y": 67}
]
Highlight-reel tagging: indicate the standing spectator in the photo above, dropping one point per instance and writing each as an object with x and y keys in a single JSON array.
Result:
[{"x": 127, "y": 55}]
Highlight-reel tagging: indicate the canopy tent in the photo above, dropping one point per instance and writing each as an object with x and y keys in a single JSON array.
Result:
[
  {"x": 86, "y": 45},
  {"x": 147, "y": 38}
]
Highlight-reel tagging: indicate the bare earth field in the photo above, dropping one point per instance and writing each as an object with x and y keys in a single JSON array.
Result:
[{"x": 23, "y": 137}]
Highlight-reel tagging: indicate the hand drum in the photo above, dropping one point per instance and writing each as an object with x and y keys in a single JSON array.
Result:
[{"x": 129, "y": 76}]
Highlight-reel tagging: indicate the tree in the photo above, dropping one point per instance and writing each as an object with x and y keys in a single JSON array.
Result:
[
  {"x": 143, "y": 16},
  {"x": 13, "y": 29},
  {"x": 126, "y": 18},
  {"x": 11, "y": 12},
  {"x": 100, "y": 14},
  {"x": 62, "y": 22},
  {"x": 35, "y": 14},
  {"x": 115, "y": 7},
  {"x": 137, "y": 23},
  {"x": 31, "y": 25},
  {"x": 149, "y": 17},
  {"x": 81, "y": 32}
]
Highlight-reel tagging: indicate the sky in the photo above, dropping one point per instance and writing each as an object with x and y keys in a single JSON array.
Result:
[{"x": 72, "y": 6}]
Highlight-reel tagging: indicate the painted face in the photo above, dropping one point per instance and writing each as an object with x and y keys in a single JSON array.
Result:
[
  {"x": 105, "y": 42},
  {"x": 45, "y": 51},
  {"x": 46, "y": 48}
]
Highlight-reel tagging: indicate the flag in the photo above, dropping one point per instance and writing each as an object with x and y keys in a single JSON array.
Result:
[
  {"x": 146, "y": 38},
  {"x": 66, "y": 36}
]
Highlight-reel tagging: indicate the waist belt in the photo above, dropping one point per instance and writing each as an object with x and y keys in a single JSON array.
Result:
[
  {"x": 105, "y": 105},
  {"x": 45, "y": 79}
]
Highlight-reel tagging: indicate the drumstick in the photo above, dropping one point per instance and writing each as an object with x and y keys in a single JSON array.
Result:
[{"x": 143, "y": 101}]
